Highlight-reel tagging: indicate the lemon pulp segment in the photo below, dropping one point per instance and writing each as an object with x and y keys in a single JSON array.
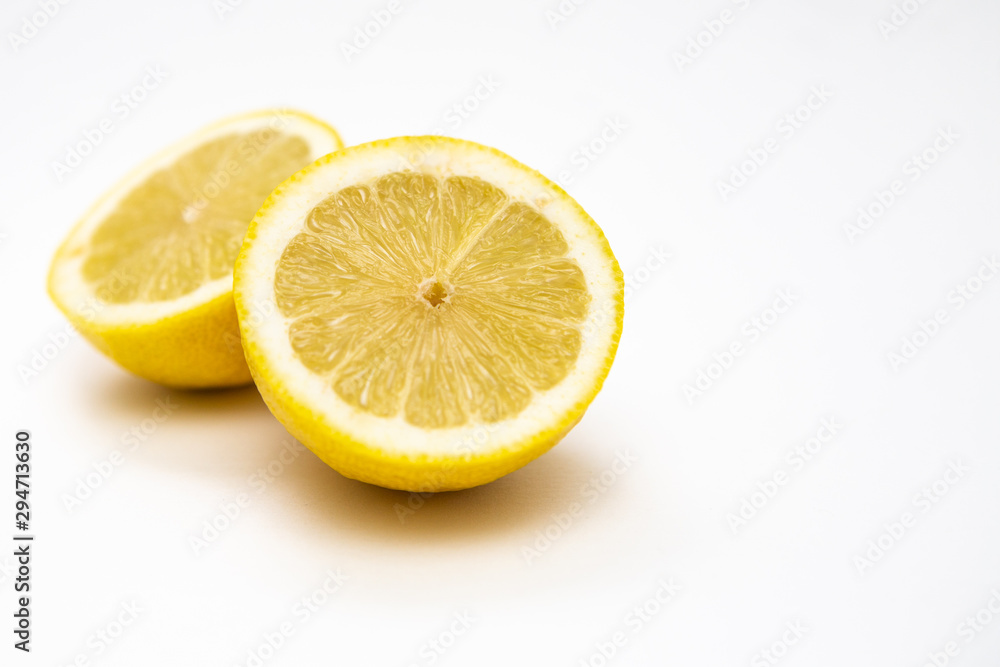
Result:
[
  {"x": 438, "y": 300},
  {"x": 183, "y": 225}
]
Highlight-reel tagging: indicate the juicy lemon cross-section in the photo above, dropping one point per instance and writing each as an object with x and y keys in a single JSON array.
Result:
[
  {"x": 441, "y": 313},
  {"x": 440, "y": 300},
  {"x": 147, "y": 274}
]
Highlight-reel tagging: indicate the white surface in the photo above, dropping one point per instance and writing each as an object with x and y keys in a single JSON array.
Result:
[{"x": 655, "y": 186}]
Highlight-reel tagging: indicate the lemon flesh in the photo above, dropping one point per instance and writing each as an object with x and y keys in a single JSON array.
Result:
[
  {"x": 437, "y": 299},
  {"x": 147, "y": 275},
  {"x": 169, "y": 235},
  {"x": 426, "y": 313}
]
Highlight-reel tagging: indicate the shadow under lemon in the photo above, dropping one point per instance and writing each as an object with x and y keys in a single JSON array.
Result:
[{"x": 229, "y": 435}]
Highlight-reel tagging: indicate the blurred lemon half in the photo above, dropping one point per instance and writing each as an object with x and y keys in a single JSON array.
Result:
[{"x": 147, "y": 274}]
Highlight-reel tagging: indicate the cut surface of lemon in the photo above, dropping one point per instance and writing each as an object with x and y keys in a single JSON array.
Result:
[
  {"x": 147, "y": 274},
  {"x": 426, "y": 313}
]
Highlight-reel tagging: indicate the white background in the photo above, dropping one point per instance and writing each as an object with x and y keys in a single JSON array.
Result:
[{"x": 654, "y": 187}]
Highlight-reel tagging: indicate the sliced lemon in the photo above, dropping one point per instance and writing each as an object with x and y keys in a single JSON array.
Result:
[
  {"x": 147, "y": 275},
  {"x": 426, "y": 313}
]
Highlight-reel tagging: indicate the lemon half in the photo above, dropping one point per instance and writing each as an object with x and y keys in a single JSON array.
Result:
[
  {"x": 146, "y": 275},
  {"x": 427, "y": 313}
]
